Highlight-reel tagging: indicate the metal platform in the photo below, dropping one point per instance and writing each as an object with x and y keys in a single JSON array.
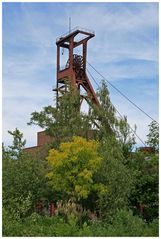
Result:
[{"x": 75, "y": 31}]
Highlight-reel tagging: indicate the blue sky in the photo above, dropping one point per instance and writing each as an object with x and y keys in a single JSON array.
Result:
[{"x": 124, "y": 50}]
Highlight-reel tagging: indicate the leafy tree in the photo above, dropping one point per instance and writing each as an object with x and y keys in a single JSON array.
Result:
[
  {"x": 145, "y": 166},
  {"x": 144, "y": 198},
  {"x": 116, "y": 141},
  {"x": 117, "y": 177},
  {"x": 126, "y": 137},
  {"x": 23, "y": 179},
  {"x": 73, "y": 168},
  {"x": 103, "y": 117},
  {"x": 153, "y": 136},
  {"x": 108, "y": 124},
  {"x": 18, "y": 143},
  {"x": 65, "y": 121}
]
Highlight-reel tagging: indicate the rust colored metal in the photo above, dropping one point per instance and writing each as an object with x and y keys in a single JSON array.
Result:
[
  {"x": 52, "y": 209},
  {"x": 74, "y": 72}
]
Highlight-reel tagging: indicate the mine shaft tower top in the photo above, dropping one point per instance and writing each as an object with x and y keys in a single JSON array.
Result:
[{"x": 74, "y": 71}]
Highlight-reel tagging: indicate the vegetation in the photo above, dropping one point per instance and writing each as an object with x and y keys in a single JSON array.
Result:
[
  {"x": 125, "y": 224},
  {"x": 98, "y": 185},
  {"x": 153, "y": 136},
  {"x": 73, "y": 168}
]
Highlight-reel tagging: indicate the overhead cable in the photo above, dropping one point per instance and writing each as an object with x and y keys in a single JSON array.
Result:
[
  {"x": 118, "y": 112},
  {"x": 122, "y": 93}
]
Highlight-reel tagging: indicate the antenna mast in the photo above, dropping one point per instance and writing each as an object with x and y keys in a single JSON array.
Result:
[{"x": 69, "y": 24}]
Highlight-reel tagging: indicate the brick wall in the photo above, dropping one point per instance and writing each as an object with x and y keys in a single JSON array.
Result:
[{"x": 42, "y": 138}]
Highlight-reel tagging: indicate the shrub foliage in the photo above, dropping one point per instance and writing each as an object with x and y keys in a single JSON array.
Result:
[{"x": 98, "y": 184}]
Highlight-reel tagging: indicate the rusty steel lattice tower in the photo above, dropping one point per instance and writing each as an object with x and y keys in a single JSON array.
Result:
[{"x": 73, "y": 73}]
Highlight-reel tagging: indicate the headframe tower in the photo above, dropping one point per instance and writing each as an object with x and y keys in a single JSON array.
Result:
[{"x": 74, "y": 73}]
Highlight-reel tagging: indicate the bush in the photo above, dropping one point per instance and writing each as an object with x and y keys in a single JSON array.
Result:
[
  {"x": 124, "y": 224},
  {"x": 127, "y": 225},
  {"x": 37, "y": 225}
]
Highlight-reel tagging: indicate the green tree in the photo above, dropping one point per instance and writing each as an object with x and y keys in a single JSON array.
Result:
[
  {"x": 103, "y": 118},
  {"x": 18, "y": 144},
  {"x": 153, "y": 136},
  {"x": 144, "y": 197},
  {"x": 126, "y": 137},
  {"x": 24, "y": 181},
  {"x": 117, "y": 177},
  {"x": 65, "y": 121},
  {"x": 116, "y": 139},
  {"x": 108, "y": 124}
]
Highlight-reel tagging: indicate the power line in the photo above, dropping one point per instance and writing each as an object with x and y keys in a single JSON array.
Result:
[
  {"x": 93, "y": 78},
  {"x": 122, "y": 93},
  {"x": 131, "y": 128},
  {"x": 119, "y": 112}
]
